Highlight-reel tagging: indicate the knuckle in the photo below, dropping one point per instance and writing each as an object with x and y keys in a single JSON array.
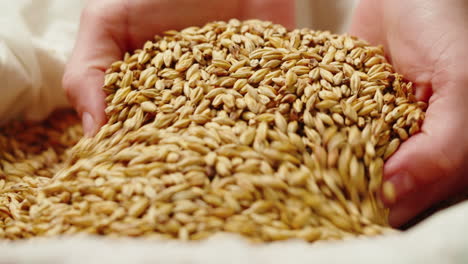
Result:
[
  {"x": 68, "y": 81},
  {"x": 71, "y": 85}
]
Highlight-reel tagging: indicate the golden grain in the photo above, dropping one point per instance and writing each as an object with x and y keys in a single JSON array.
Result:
[{"x": 240, "y": 127}]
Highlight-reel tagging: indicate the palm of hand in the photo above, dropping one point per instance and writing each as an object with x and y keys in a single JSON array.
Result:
[{"x": 427, "y": 49}]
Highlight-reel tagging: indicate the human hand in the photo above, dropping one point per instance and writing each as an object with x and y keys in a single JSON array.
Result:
[
  {"x": 109, "y": 28},
  {"x": 427, "y": 42}
]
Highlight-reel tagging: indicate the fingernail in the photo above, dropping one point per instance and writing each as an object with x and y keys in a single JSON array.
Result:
[
  {"x": 88, "y": 124},
  {"x": 397, "y": 186}
]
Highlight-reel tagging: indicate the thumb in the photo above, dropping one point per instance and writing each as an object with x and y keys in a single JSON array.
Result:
[
  {"x": 428, "y": 167},
  {"x": 100, "y": 42},
  {"x": 84, "y": 92}
]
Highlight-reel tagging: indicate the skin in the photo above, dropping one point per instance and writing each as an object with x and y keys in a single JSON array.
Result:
[
  {"x": 109, "y": 28},
  {"x": 425, "y": 40}
]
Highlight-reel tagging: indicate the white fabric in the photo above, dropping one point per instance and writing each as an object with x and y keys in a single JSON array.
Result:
[
  {"x": 440, "y": 240},
  {"x": 36, "y": 37}
]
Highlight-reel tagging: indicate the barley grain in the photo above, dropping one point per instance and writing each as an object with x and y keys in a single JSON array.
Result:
[{"x": 235, "y": 126}]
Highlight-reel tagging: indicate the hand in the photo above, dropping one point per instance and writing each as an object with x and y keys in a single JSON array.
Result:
[
  {"x": 427, "y": 42},
  {"x": 109, "y": 28}
]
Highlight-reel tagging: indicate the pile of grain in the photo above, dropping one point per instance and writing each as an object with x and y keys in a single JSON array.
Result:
[{"x": 238, "y": 127}]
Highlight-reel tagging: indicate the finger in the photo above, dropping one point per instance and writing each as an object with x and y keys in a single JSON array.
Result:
[
  {"x": 434, "y": 155},
  {"x": 423, "y": 198},
  {"x": 89, "y": 100},
  {"x": 367, "y": 22},
  {"x": 99, "y": 43}
]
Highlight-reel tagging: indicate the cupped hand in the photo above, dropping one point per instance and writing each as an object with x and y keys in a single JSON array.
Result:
[
  {"x": 109, "y": 28},
  {"x": 427, "y": 42}
]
